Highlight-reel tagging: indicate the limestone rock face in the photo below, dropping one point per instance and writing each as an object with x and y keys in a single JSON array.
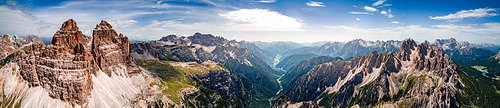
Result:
[
  {"x": 6, "y": 47},
  {"x": 63, "y": 68},
  {"x": 416, "y": 75},
  {"x": 111, "y": 51},
  {"x": 33, "y": 38},
  {"x": 66, "y": 66}
]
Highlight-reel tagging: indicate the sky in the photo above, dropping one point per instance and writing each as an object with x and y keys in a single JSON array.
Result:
[{"x": 476, "y": 21}]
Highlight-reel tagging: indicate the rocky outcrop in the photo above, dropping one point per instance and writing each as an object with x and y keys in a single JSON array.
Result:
[
  {"x": 416, "y": 75},
  {"x": 303, "y": 67},
  {"x": 63, "y": 68},
  {"x": 6, "y": 47},
  {"x": 66, "y": 66},
  {"x": 111, "y": 51},
  {"x": 33, "y": 38}
]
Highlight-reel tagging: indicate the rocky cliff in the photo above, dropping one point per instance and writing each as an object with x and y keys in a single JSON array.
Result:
[
  {"x": 33, "y": 38},
  {"x": 6, "y": 47},
  {"x": 111, "y": 50},
  {"x": 68, "y": 73},
  {"x": 416, "y": 75}
]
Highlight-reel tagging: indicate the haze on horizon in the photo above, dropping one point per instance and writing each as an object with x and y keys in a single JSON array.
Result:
[{"x": 476, "y": 21}]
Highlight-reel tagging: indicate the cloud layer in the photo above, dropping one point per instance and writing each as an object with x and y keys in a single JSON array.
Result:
[
  {"x": 315, "y": 4},
  {"x": 260, "y": 20},
  {"x": 477, "y": 13}
]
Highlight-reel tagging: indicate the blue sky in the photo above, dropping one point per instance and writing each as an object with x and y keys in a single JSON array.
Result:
[{"x": 475, "y": 21}]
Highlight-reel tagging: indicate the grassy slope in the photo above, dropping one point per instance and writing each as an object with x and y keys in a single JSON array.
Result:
[
  {"x": 479, "y": 91},
  {"x": 174, "y": 78}
]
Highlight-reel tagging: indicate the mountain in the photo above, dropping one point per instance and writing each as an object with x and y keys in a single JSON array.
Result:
[
  {"x": 260, "y": 77},
  {"x": 74, "y": 72},
  {"x": 33, "y": 38},
  {"x": 262, "y": 54},
  {"x": 274, "y": 50},
  {"x": 189, "y": 84},
  {"x": 277, "y": 47},
  {"x": 471, "y": 54},
  {"x": 491, "y": 47},
  {"x": 302, "y": 68},
  {"x": 350, "y": 49},
  {"x": 463, "y": 52},
  {"x": 383, "y": 80},
  {"x": 292, "y": 60},
  {"x": 6, "y": 47},
  {"x": 11, "y": 45},
  {"x": 327, "y": 49}
]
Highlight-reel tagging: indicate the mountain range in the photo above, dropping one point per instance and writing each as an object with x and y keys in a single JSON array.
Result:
[{"x": 203, "y": 70}]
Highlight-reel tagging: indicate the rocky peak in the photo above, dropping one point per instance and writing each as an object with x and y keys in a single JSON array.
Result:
[
  {"x": 69, "y": 25},
  {"x": 206, "y": 39},
  {"x": 111, "y": 51},
  {"x": 33, "y": 38},
  {"x": 65, "y": 67},
  {"x": 65, "y": 62},
  {"x": 5, "y": 38},
  {"x": 69, "y": 36}
]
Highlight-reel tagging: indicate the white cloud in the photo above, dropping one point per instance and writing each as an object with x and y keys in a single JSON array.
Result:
[
  {"x": 20, "y": 23},
  {"x": 387, "y": 13},
  {"x": 13, "y": 3},
  {"x": 383, "y": 12},
  {"x": 395, "y": 22},
  {"x": 478, "y": 13},
  {"x": 370, "y": 9},
  {"x": 379, "y": 2},
  {"x": 159, "y": 5},
  {"x": 358, "y": 19},
  {"x": 486, "y": 28},
  {"x": 266, "y": 1},
  {"x": 315, "y": 4},
  {"x": 260, "y": 20},
  {"x": 359, "y": 12},
  {"x": 161, "y": 25},
  {"x": 122, "y": 23},
  {"x": 342, "y": 27},
  {"x": 390, "y": 16}
]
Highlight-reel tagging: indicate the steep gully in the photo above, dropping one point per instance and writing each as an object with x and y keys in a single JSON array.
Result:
[{"x": 276, "y": 61}]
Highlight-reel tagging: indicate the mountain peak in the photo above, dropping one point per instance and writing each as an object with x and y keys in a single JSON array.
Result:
[
  {"x": 408, "y": 44},
  {"x": 69, "y": 35},
  {"x": 69, "y": 25},
  {"x": 104, "y": 25}
]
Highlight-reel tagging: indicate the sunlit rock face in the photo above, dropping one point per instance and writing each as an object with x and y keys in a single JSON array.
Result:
[
  {"x": 111, "y": 51},
  {"x": 6, "y": 47},
  {"x": 65, "y": 69},
  {"x": 416, "y": 75}
]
